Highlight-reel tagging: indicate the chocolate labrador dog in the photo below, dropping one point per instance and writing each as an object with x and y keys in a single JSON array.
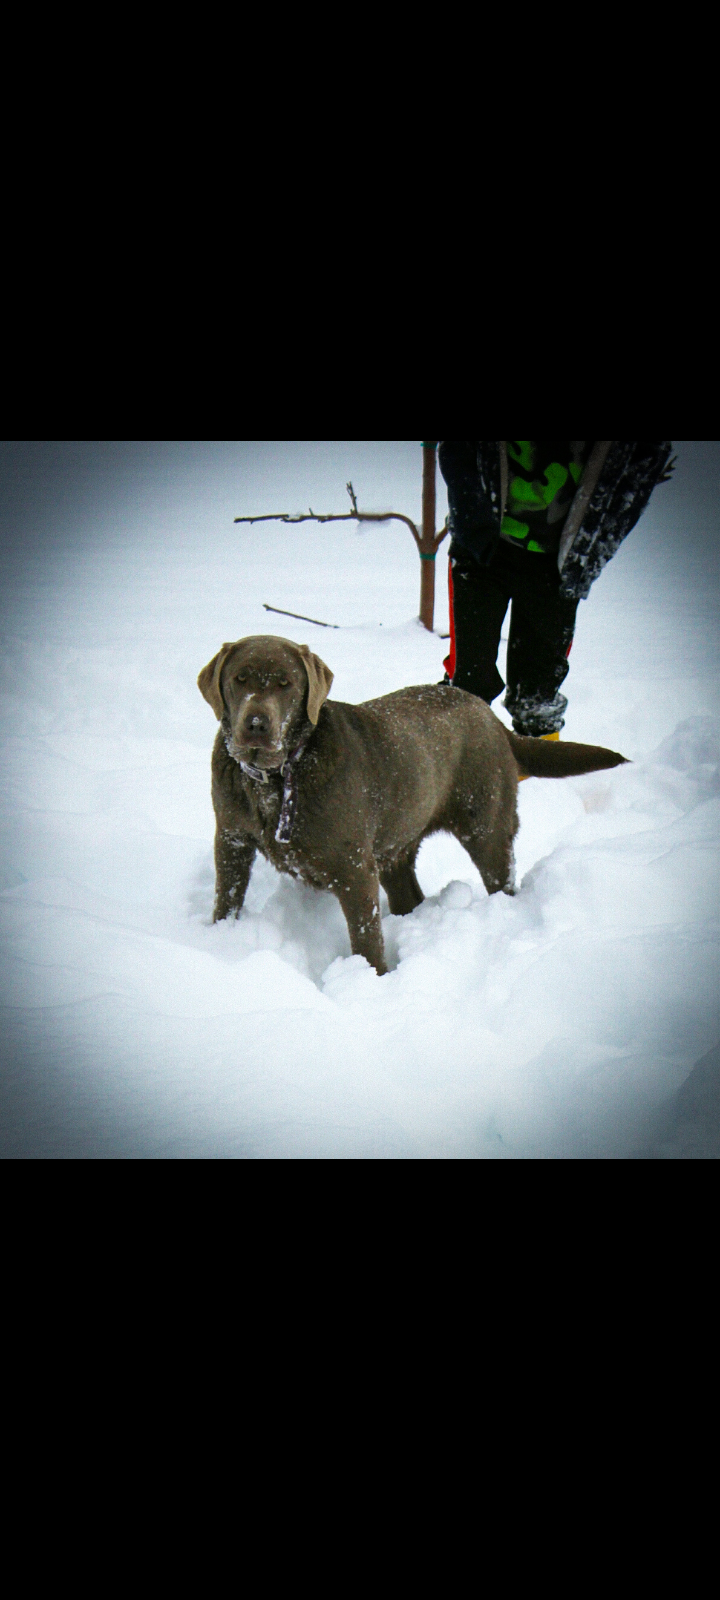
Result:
[{"x": 342, "y": 796}]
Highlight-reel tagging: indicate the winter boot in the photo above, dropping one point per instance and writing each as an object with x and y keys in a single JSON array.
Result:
[{"x": 523, "y": 775}]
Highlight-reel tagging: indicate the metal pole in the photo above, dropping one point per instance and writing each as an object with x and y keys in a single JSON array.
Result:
[{"x": 427, "y": 538}]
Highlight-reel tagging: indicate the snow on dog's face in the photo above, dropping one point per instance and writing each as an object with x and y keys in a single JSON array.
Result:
[{"x": 264, "y": 689}]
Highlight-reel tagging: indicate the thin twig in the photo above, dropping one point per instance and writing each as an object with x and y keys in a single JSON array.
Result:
[
  {"x": 351, "y": 516},
  {"x": 297, "y": 614}
]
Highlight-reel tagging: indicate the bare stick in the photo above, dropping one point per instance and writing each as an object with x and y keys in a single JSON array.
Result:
[
  {"x": 298, "y": 614},
  {"x": 337, "y": 516},
  {"x": 345, "y": 516}
]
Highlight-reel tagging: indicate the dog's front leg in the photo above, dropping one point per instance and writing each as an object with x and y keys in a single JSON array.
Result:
[
  {"x": 233, "y": 862},
  {"x": 358, "y": 890}
]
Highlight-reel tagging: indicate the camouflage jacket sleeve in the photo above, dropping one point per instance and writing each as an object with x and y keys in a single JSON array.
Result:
[{"x": 632, "y": 469}]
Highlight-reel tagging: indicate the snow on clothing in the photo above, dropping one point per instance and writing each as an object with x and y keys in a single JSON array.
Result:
[{"x": 534, "y": 522}]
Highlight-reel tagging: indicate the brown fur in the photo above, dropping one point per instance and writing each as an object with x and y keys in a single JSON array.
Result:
[{"x": 372, "y": 781}]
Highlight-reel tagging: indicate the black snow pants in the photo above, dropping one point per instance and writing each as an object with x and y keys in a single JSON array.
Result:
[{"x": 542, "y": 624}]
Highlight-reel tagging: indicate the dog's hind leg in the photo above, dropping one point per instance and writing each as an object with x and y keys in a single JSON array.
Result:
[
  {"x": 401, "y": 887},
  {"x": 493, "y": 854}
]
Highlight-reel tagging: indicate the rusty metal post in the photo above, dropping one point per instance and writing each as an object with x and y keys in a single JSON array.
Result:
[{"x": 428, "y": 548}]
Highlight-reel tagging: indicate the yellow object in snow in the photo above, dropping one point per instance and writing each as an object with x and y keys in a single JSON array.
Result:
[{"x": 523, "y": 775}]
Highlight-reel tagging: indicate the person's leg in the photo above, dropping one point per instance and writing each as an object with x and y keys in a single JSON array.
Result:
[
  {"x": 542, "y": 625},
  {"x": 480, "y": 598}
]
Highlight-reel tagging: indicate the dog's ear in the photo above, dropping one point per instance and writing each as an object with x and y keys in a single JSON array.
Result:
[
  {"x": 319, "y": 681},
  {"x": 209, "y": 679}
]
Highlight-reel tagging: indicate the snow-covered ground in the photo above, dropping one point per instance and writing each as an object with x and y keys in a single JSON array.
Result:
[{"x": 558, "y": 1024}]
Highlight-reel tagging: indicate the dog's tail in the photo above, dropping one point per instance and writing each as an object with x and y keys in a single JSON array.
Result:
[{"x": 543, "y": 758}]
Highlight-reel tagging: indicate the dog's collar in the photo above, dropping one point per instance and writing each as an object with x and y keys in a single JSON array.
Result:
[
  {"x": 288, "y": 772},
  {"x": 289, "y": 799},
  {"x": 257, "y": 773}
]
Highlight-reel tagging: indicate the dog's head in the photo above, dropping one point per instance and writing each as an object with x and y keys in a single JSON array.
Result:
[{"x": 265, "y": 690}]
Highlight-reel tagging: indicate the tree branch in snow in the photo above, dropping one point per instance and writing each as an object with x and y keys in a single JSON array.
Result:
[{"x": 279, "y": 611}]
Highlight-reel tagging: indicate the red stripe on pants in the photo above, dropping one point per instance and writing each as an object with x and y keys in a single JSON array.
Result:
[{"x": 449, "y": 662}]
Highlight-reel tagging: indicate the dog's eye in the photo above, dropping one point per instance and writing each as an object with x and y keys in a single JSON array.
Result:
[
  {"x": 241, "y": 678},
  {"x": 284, "y": 682}
]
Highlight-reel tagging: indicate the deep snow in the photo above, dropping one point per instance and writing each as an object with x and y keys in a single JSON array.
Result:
[{"x": 560, "y": 1023}]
